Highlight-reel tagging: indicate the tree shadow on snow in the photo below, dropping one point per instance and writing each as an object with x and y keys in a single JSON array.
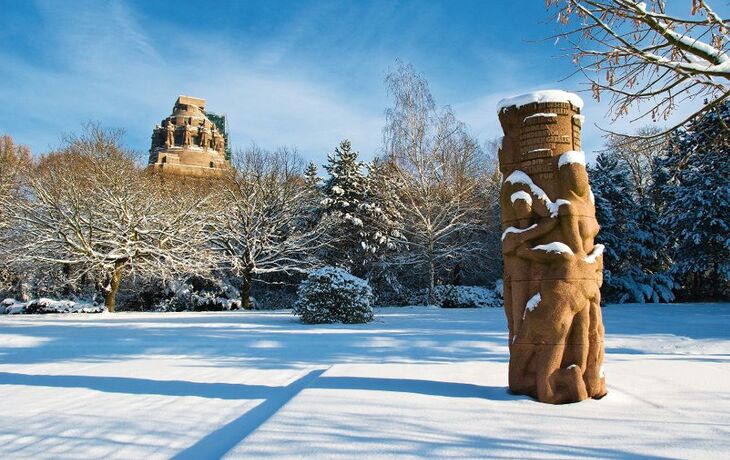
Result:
[{"x": 223, "y": 439}]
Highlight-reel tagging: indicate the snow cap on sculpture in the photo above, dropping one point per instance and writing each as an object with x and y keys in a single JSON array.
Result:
[
  {"x": 572, "y": 156},
  {"x": 550, "y": 95}
]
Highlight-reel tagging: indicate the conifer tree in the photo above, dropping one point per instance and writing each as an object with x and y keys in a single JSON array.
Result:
[
  {"x": 311, "y": 177},
  {"x": 383, "y": 217},
  {"x": 345, "y": 191},
  {"x": 692, "y": 179},
  {"x": 633, "y": 269},
  {"x": 365, "y": 208}
]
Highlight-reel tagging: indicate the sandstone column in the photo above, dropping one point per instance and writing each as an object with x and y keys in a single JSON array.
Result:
[{"x": 552, "y": 268}]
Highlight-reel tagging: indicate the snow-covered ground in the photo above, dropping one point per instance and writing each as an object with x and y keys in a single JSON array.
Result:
[{"x": 418, "y": 382}]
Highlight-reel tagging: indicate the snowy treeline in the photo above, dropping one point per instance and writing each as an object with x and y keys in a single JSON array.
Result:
[
  {"x": 87, "y": 221},
  {"x": 420, "y": 222},
  {"x": 664, "y": 210}
]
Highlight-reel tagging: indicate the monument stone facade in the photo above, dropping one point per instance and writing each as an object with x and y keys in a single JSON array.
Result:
[
  {"x": 188, "y": 142},
  {"x": 552, "y": 266}
]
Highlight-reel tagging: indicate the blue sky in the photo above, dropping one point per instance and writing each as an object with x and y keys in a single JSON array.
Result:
[{"x": 285, "y": 72}]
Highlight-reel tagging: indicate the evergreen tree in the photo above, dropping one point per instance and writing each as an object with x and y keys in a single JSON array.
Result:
[
  {"x": 384, "y": 220},
  {"x": 311, "y": 177},
  {"x": 365, "y": 208},
  {"x": 345, "y": 192},
  {"x": 693, "y": 181},
  {"x": 632, "y": 260}
]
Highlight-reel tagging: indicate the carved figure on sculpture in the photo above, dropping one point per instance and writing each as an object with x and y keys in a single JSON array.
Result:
[
  {"x": 552, "y": 268},
  {"x": 170, "y": 131},
  {"x": 188, "y": 133},
  {"x": 218, "y": 141},
  {"x": 204, "y": 136}
]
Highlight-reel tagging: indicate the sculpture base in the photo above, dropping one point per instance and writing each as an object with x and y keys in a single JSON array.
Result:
[
  {"x": 195, "y": 162},
  {"x": 544, "y": 371}
]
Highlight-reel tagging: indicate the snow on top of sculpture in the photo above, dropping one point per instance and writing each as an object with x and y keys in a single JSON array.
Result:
[
  {"x": 540, "y": 115},
  {"x": 556, "y": 247},
  {"x": 509, "y": 230},
  {"x": 519, "y": 177},
  {"x": 572, "y": 156},
  {"x": 521, "y": 195},
  {"x": 550, "y": 95},
  {"x": 595, "y": 253},
  {"x": 531, "y": 305}
]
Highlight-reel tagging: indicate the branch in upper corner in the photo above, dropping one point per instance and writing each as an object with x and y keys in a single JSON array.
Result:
[{"x": 647, "y": 61}]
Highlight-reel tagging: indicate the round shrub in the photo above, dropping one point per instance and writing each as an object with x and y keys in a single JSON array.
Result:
[
  {"x": 470, "y": 297},
  {"x": 331, "y": 295}
]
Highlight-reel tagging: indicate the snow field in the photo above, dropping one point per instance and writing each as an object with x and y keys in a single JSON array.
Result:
[{"x": 417, "y": 382}]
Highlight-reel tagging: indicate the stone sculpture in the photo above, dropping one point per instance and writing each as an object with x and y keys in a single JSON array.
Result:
[
  {"x": 201, "y": 149},
  {"x": 170, "y": 139},
  {"x": 552, "y": 267},
  {"x": 188, "y": 133},
  {"x": 204, "y": 136}
]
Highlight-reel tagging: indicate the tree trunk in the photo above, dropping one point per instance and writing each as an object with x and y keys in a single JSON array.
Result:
[
  {"x": 431, "y": 274},
  {"x": 21, "y": 289},
  {"x": 66, "y": 291},
  {"x": 112, "y": 287},
  {"x": 246, "y": 285},
  {"x": 431, "y": 282}
]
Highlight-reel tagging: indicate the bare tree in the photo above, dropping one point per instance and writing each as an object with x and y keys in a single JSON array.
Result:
[
  {"x": 438, "y": 166},
  {"x": 264, "y": 224},
  {"x": 90, "y": 207},
  {"x": 644, "y": 56},
  {"x": 14, "y": 160},
  {"x": 637, "y": 152}
]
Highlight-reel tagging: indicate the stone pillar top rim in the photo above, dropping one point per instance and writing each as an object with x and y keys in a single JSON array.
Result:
[
  {"x": 190, "y": 100},
  {"x": 540, "y": 97}
]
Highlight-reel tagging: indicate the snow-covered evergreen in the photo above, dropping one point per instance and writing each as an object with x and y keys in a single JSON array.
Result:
[
  {"x": 45, "y": 306},
  {"x": 633, "y": 270},
  {"x": 469, "y": 297},
  {"x": 692, "y": 181},
  {"x": 367, "y": 219},
  {"x": 383, "y": 217},
  {"x": 345, "y": 190},
  {"x": 311, "y": 176},
  {"x": 332, "y": 295}
]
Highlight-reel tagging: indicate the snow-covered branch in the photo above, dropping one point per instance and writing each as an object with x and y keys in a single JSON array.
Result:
[
  {"x": 262, "y": 221},
  {"x": 89, "y": 206},
  {"x": 645, "y": 57}
]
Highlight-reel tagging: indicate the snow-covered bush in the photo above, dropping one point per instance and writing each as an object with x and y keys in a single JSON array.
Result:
[
  {"x": 274, "y": 298},
  {"x": 194, "y": 294},
  {"x": 193, "y": 301},
  {"x": 332, "y": 295},
  {"x": 469, "y": 297},
  {"x": 183, "y": 296},
  {"x": 45, "y": 306}
]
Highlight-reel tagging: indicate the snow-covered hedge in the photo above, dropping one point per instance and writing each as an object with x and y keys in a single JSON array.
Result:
[
  {"x": 182, "y": 296},
  {"x": 44, "y": 306},
  {"x": 332, "y": 295},
  {"x": 469, "y": 297}
]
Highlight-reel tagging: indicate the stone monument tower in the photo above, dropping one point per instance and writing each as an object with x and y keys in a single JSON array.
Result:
[
  {"x": 552, "y": 268},
  {"x": 188, "y": 142}
]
